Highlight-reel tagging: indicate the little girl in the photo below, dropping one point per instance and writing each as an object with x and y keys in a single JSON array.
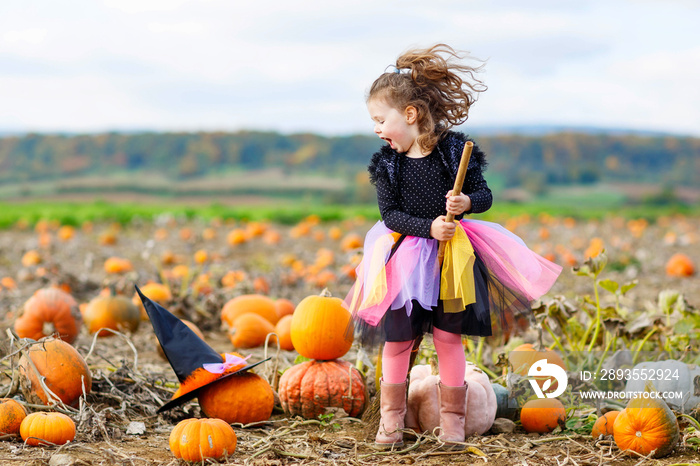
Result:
[{"x": 403, "y": 290}]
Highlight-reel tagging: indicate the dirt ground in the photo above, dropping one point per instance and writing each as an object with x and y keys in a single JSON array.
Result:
[{"x": 128, "y": 374}]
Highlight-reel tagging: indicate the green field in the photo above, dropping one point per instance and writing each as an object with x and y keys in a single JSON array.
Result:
[{"x": 76, "y": 213}]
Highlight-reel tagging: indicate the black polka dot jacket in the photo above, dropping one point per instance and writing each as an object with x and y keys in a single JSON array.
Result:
[{"x": 411, "y": 192}]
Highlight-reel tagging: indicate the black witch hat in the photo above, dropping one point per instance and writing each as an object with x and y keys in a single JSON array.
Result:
[{"x": 195, "y": 363}]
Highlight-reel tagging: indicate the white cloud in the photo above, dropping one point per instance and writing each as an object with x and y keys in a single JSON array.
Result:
[
  {"x": 30, "y": 36},
  {"x": 305, "y": 65}
]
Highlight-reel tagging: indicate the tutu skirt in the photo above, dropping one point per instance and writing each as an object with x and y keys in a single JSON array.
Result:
[{"x": 482, "y": 287}]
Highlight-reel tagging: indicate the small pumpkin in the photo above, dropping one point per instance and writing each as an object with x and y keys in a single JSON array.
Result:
[
  {"x": 49, "y": 311},
  {"x": 255, "y": 303},
  {"x": 43, "y": 428},
  {"x": 118, "y": 265},
  {"x": 284, "y": 334},
  {"x": 423, "y": 406},
  {"x": 65, "y": 371},
  {"x": 11, "y": 415},
  {"x": 249, "y": 330},
  {"x": 646, "y": 426},
  {"x": 197, "y": 440},
  {"x": 542, "y": 415},
  {"x": 307, "y": 389},
  {"x": 113, "y": 312},
  {"x": 241, "y": 398},
  {"x": 604, "y": 424},
  {"x": 680, "y": 265},
  {"x": 284, "y": 307},
  {"x": 321, "y": 327}
]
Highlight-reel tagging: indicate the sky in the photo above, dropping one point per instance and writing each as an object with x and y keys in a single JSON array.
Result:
[{"x": 305, "y": 66}]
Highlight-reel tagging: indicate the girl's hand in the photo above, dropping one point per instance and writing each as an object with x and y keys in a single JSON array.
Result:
[
  {"x": 457, "y": 205},
  {"x": 442, "y": 230}
]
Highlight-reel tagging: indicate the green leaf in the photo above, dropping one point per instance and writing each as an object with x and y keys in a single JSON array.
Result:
[
  {"x": 628, "y": 286},
  {"x": 687, "y": 325},
  {"x": 667, "y": 300},
  {"x": 610, "y": 285},
  {"x": 299, "y": 359}
]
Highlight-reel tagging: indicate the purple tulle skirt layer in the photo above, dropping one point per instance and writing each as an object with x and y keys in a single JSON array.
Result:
[{"x": 399, "y": 273}]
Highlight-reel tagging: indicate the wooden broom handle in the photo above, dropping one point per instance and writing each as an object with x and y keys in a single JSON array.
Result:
[{"x": 459, "y": 181}]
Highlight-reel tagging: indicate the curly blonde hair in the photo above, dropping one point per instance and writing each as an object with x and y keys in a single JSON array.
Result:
[{"x": 441, "y": 89}]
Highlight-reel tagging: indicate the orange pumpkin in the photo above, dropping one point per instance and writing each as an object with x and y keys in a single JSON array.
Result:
[
  {"x": 249, "y": 330},
  {"x": 321, "y": 327},
  {"x": 284, "y": 334},
  {"x": 241, "y": 398},
  {"x": 256, "y": 303},
  {"x": 11, "y": 415},
  {"x": 118, "y": 265},
  {"x": 236, "y": 237},
  {"x": 66, "y": 232},
  {"x": 680, "y": 265},
  {"x": 542, "y": 415},
  {"x": 30, "y": 258},
  {"x": 284, "y": 307},
  {"x": 646, "y": 426},
  {"x": 64, "y": 370},
  {"x": 197, "y": 440},
  {"x": 351, "y": 241},
  {"x": 307, "y": 389},
  {"x": 604, "y": 424},
  {"x": 113, "y": 312},
  {"x": 44, "y": 428},
  {"x": 49, "y": 311}
]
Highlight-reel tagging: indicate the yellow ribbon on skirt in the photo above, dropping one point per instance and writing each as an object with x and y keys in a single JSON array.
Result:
[
  {"x": 457, "y": 276},
  {"x": 377, "y": 284}
]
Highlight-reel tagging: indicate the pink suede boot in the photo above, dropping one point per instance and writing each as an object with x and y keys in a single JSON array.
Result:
[
  {"x": 393, "y": 410},
  {"x": 453, "y": 409}
]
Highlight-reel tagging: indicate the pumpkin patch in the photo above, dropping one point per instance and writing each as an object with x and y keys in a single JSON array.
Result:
[{"x": 320, "y": 409}]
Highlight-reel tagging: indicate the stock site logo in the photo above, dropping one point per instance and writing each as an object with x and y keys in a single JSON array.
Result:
[{"x": 541, "y": 369}]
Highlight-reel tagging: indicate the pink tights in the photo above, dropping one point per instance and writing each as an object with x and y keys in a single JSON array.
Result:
[{"x": 451, "y": 360}]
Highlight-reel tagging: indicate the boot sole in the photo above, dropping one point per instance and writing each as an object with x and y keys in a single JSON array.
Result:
[{"x": 388, "y": 446}]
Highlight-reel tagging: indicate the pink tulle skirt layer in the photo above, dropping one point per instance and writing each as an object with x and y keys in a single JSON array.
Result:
[{"x": 399, "y": 272}]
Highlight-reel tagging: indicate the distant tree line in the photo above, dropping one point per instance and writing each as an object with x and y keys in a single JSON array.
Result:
[{"x": 529, "y": 162}]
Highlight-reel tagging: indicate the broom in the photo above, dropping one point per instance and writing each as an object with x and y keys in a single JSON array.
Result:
[{"x": 372, "y": 415}]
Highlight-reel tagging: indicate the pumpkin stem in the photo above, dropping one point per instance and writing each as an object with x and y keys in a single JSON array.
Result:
[
  {"x": 325, "y": 293},
  {"x": 48, "y": 328}
]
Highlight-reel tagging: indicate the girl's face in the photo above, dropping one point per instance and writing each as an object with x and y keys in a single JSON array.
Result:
[{"x": 397, "y": 128}]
